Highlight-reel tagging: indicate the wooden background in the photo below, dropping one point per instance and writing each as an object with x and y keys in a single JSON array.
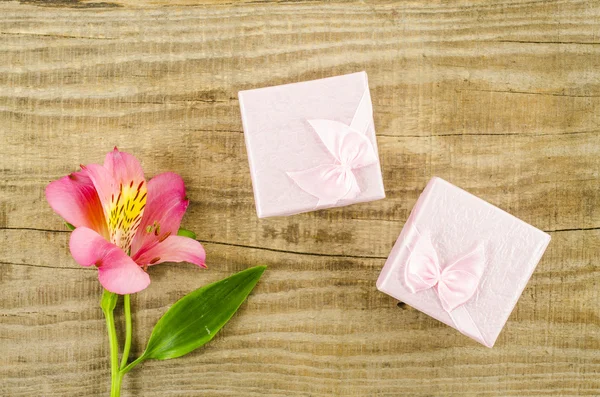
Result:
[{"x": 501, "y": 98}]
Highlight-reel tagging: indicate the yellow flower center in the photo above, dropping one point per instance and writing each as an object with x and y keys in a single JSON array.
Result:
[{"x": 125, "y": 213}]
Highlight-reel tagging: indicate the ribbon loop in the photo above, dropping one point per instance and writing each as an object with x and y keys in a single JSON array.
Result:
[
  {"x": 350, "y": 149},
  {"x": 456, "y": 283}
]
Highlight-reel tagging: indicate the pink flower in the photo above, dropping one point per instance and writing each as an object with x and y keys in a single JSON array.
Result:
[{"x": 123, "y": 224}]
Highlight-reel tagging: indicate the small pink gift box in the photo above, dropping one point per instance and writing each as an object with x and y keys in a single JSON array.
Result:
[
  {"x": 311, "y": 145},
  {"x": 462, "y": 261}
]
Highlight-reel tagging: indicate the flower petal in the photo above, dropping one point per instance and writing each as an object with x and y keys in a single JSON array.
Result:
[
  {"x": 164, "y": 210},
  {"x": 172, "y": 249},
  {"x": 122, "y": 189},
  {"x": 74, "y": 198},
  {"x": 124, "y": 167},
  {"x": 123, "y": 277},
  {"x": 117, "y": 272},
  {"x": 104, "y": 183}
]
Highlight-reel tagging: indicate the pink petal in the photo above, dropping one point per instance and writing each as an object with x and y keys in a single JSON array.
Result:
[
  {"x": 122, "y": 190},
  {"x": 165, "y": 207},
  {"x": 172, "y": 249},
  {"x": 75, "y": 199},
  {"x": 117, "y": 272},
  {"x": 124, "y": 167},
  {"x": 459, "y": 281},
  {"x": 329, "y": 183},
  {"x": 105, "y": 184},
  {"x": 121, "y": 171},
  {"x": 422, "y": 270},
  {"x": 123, "y": 277}
]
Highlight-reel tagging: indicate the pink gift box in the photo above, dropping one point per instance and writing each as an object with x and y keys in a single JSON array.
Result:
[
  {"x": 462, "y": 261},
  {"x": 311, "y": 145}
]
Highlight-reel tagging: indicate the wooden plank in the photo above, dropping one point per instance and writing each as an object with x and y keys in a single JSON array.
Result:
[
  {"x": 501, "y": 98},
  {"x": 315, "y": 325},
  {"x": 521, "y": 174}
]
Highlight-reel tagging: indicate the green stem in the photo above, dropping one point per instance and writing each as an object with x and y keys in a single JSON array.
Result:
[
  {"x": 114, "y": 353},
  {"x": 108, "y": 303},
  {"x": 132, "y": 364},
  {"x": 115, "y": 389},
  {"x": 128, "y": 327}
]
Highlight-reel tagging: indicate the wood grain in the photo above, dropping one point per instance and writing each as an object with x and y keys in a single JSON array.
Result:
[{"x": 501, "y": 98}]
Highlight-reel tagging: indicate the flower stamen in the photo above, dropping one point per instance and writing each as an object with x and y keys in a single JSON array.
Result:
[{"x": 125, "y": 216}]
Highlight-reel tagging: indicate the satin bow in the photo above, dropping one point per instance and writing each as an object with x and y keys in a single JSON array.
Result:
[
  {"x": 455, "y": 283},
  {"x": 350, "y": 149}
]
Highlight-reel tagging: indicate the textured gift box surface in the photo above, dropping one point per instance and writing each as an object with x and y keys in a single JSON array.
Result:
[
  {"x": 483, "y": 256},
  {"x": 311, "y": 145}
]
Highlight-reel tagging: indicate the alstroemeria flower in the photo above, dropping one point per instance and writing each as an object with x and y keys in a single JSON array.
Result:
[{"x": 123, "y": 224}]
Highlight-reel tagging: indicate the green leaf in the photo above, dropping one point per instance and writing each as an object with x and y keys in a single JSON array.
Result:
[
  {"x": 108, "y": 301},
  {"x": 195, "y": 319},
  {"x": 186, "y": 233},
  {"x": 69, "y": 226}
]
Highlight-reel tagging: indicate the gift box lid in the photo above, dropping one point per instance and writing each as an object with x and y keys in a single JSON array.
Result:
[
  {"x": 462, "y": 261},
  {"x": 302, "y": 141}
]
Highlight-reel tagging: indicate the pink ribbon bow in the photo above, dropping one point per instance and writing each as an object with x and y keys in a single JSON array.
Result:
[
  {"x": 455, "y": 283},
  {"x": 351, "y": 150}
]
